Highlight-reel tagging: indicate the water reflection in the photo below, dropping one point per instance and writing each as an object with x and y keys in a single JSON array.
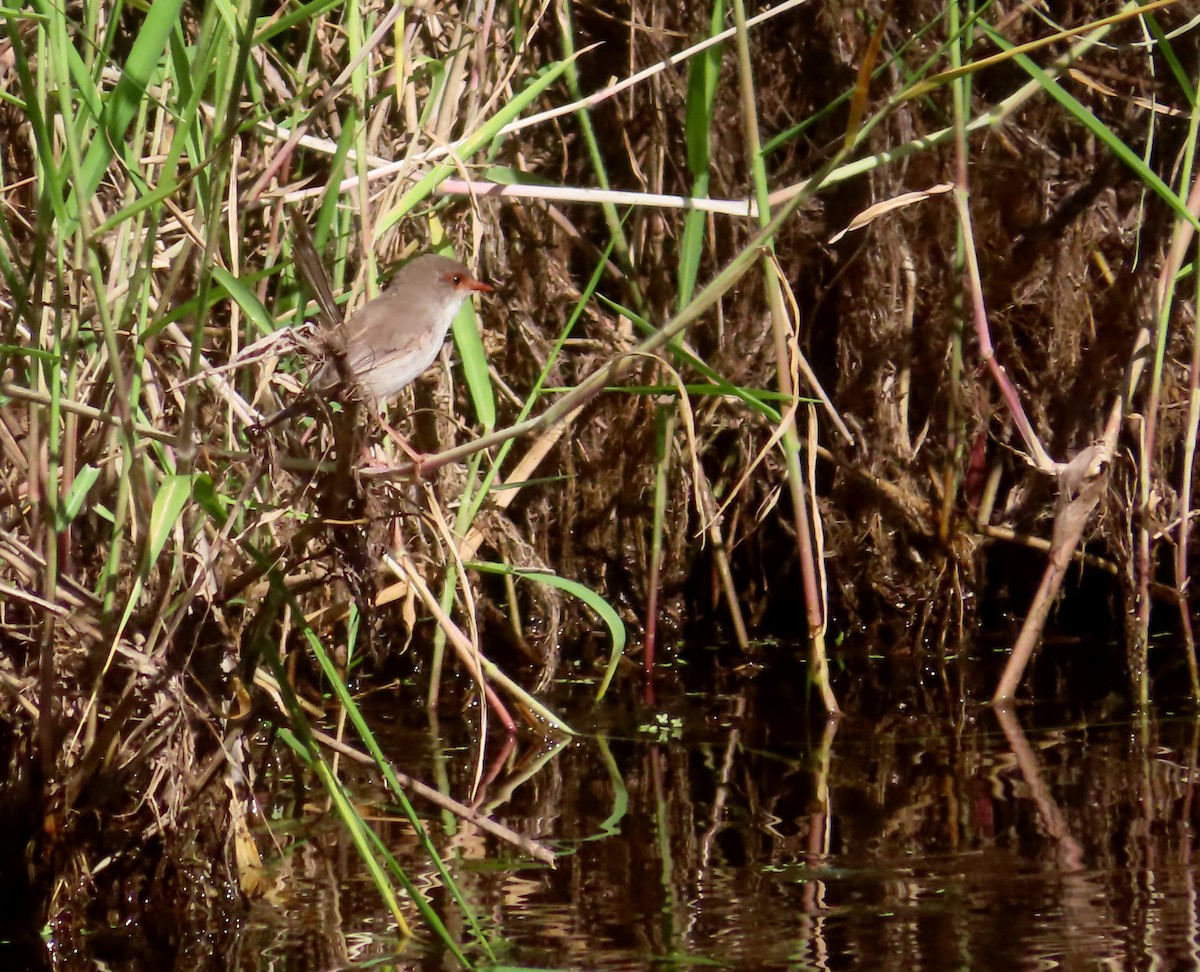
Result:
[{"x": 994, "y": 841}]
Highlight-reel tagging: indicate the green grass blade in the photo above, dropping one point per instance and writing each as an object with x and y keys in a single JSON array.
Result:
[
  {"x": 245, "y": 297},
  {"x": 703, "y": 73},
  {"x": 1085, "y": 117},
  {"x": 150, "y": 40},
  {"x": 475, "y": 365},
  {"x": 606, "y": 612},
  {"x": 472, "y": 144},
  {"x": 169, "y": 502},
  {"x": 81, "y": 485}
]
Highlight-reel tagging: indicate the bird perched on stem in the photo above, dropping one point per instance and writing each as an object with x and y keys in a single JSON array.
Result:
[{"x": 394, "y": 338}]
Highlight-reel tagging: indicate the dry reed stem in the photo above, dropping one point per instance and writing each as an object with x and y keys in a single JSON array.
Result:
[{"x": 469, "y": 654}]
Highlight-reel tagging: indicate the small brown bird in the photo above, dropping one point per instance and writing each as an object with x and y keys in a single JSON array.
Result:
[
  {"x": 396, "y": 336},
  {"x": 392, "y": 339}
]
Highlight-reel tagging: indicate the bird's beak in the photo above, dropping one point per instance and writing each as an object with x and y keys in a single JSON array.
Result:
[{"x": 477, "y": 285}]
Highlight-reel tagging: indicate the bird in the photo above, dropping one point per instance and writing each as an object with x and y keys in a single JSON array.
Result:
[{"x": 392, "y": 340}]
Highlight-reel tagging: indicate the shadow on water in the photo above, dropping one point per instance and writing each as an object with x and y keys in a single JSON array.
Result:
[{"x": 730, "y": 830}]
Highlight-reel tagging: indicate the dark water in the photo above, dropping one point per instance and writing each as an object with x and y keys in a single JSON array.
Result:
[{"x": 708, "y": 833}]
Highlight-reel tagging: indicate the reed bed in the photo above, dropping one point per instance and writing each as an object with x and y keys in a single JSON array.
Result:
[{"x": 818, "y": 320}]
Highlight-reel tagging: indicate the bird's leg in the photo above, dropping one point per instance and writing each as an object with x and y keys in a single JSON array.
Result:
[{"x": 416, "y": 458}]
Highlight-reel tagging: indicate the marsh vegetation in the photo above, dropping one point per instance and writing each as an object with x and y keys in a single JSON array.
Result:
[{"x": 858, "y": 328}]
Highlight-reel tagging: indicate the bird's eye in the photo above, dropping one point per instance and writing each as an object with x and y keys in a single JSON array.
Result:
[{"x": 457, "y": 279}]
